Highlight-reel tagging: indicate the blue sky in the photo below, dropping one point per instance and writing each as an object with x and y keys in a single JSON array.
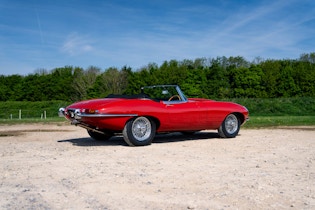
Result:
[{"x": 46, "y": 34}]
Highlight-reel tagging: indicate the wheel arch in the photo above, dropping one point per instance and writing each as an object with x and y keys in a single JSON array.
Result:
[
  {"x": 154, "y": 119},
  {"x": 240, "y": 116}
]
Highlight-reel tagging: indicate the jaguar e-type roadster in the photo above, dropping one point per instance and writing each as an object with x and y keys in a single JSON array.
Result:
[{"x": 156, "y": 109}]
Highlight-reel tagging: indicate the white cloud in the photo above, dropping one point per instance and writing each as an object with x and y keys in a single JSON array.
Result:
[{"x": 76, "y": 45}]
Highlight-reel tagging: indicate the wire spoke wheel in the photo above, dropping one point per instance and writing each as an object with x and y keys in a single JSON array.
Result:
[
  {"x": 141, "y": 128},
  {"x": 139, "y": 131},
  {"x": 230, "y": 126}
]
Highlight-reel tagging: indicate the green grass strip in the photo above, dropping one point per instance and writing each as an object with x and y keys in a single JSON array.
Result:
[{"x": 274, "y": 121}]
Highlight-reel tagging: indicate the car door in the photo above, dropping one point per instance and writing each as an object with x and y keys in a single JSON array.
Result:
[{"x": 185, "y": 116}]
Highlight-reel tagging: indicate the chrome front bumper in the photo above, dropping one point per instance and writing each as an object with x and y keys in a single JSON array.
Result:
[{"x": 72, "y": 113}]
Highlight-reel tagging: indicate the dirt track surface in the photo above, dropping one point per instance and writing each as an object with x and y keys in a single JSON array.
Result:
[{"x": 60, "y": 167}]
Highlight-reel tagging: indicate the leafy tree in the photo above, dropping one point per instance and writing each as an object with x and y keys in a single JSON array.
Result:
[
  {"x": 286, "y": 85},
  {"x": 33, "y": 88},
  {"x": 10, "y": 87},
  {"x": 304, "y": 76},
  {"x": 41, "y": 72},
  {"x": 59, "y": 83},
  {"x": 192, "y": 77},
  {"x": 237, "y": 62},
  {"x": 113, "y": 81},
  {"x": 194, "y": 83},
  {"x": 222, "y": 77},
  {"x": 308, "y": 57},
  {"x": 136, "y": 80},
  {"x": 246, "y": 82},
  {"x": 270, "y": 78},
  {"x": 218, "y": 85},
  {"x": 83, "y": 83}
]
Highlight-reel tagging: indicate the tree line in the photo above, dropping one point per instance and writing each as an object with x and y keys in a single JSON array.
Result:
[{"x": 217, "y": 78}]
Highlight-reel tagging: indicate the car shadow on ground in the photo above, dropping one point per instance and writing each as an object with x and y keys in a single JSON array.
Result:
[
  {"x": 159, "y": 138},
  {"x": 178, "y": 137}
]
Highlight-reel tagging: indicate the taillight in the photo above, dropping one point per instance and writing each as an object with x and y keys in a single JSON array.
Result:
[{"x": 90, "y": 111}]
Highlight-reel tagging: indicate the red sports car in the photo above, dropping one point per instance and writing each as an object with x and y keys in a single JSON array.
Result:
[{"x": 157, "y": 109}]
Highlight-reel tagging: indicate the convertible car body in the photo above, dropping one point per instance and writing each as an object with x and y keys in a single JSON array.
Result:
[{"x": 157, "y": 109}]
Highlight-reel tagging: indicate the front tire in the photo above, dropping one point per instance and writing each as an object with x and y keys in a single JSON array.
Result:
[
  {"x": 139, "y": 131},
  {"x": 230, "y": 126}
]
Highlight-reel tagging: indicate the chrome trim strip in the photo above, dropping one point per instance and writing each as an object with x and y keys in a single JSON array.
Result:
[
  {"x": 170, "y": 103},
  {"x": 106, "y": 115}
]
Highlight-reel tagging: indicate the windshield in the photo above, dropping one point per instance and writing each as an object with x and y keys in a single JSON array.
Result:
[{"x": 164, "y": 93}]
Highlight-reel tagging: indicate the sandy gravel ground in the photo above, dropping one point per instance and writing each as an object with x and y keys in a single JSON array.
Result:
[{"x": 60, "y": 167}]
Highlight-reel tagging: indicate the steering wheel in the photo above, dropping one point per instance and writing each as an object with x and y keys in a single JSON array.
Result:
[{"x": 175, "y": 96}]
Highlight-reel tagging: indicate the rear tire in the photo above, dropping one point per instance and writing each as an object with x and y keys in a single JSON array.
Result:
[
  {"x": 230, "y": 126},
  {"x": 139, "y": 131},
  {"x": 99, "y": 136}
]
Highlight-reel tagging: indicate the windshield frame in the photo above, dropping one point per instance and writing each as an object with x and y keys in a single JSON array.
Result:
[{"x": 175, "y": 87}]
